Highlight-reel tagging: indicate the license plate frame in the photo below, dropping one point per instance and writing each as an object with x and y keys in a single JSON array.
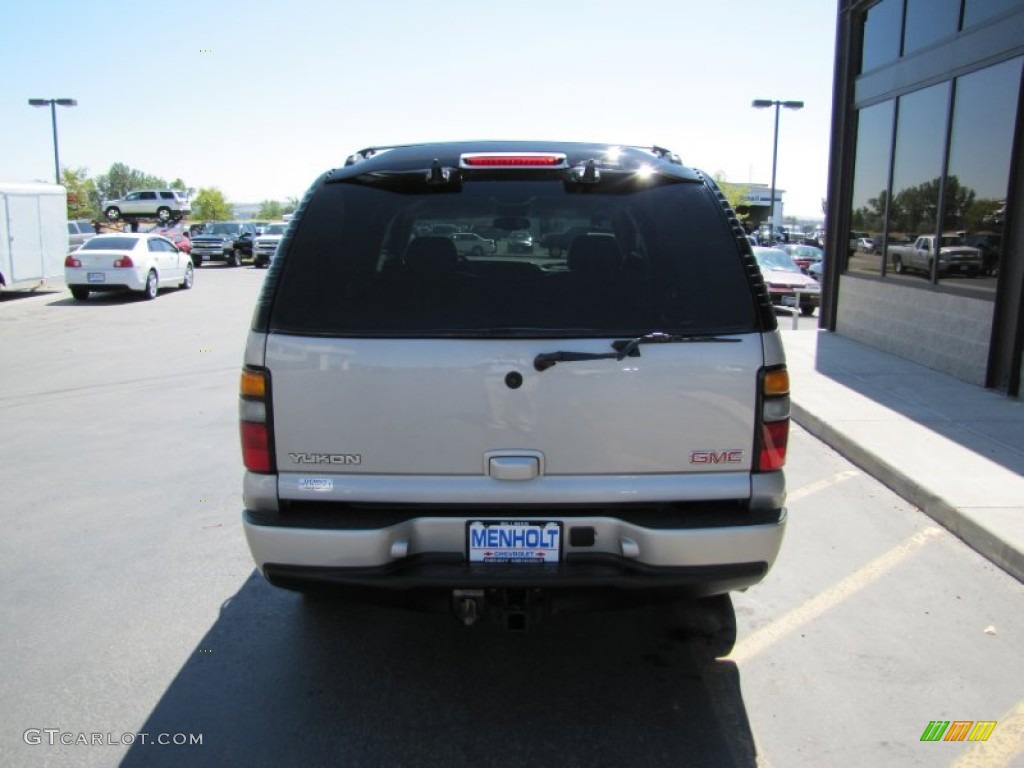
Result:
[
  {"x": 96, "y": 277},
  {"x": 514, "y": 542}
]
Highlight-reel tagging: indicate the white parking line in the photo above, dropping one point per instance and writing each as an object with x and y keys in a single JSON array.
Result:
[
  {"x": 750, "y": 647},
  {"x": 821, "y": 485}
]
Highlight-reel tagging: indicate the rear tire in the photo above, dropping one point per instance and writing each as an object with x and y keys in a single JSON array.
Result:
[
  {"x": 807, "y": 310},
  {"x": 708, "y": 623},
  {"x": 79, "y": 293},
  {"x": 897, "y": 265}
]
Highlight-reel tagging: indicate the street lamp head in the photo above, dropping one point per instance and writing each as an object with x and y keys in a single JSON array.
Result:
[
  {"x": 762, "y": 103},
  {"x": 48, "y": 102},
  {"x": 793, "y": 104}
]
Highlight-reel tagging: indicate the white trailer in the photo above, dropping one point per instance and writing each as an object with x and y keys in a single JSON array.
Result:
[{"x": 33, "y": 234}]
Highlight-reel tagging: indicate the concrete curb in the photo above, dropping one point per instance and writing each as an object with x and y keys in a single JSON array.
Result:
[{"x": 957, "y": 521}]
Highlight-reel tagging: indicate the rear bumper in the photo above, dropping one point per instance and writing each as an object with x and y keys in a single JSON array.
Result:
[
  {"x": 579, "y": 573},
  {"x": 113, "y": 279},
  {"x": 429, "y": 553},
  {"x": 784, "y": 298}
]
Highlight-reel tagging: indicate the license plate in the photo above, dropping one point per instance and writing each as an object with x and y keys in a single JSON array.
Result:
[
  {"x": 789, "y": 301},
  {"x": 513, "y": 541},
  {"x": 96, "y": 277}
]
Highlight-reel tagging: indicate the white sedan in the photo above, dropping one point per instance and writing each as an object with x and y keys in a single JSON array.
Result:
[{"x": 136, "y": 262}]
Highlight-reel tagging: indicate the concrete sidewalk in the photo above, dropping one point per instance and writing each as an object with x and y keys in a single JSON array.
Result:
[{"x": 951, "y": 448}]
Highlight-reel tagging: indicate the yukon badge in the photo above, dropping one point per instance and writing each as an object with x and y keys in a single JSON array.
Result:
[
  {"x": 716, "y": 457},
  {"x": 317, "y": 484},
  {"x": 345, "y": 459}
]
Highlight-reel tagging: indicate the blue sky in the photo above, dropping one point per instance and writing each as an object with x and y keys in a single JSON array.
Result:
[{"x": 258, "y": 99}]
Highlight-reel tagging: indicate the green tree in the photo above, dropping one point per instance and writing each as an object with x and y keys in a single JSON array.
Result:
[
  {"x": 269, "y": 209},
  {"x": 958, "y": 202},
  {"x": 984, "y": 214},
  {"x": 209, "y": 205},
  {"x": 82, "y": 203},
  {"x": 736, "y": 194},
  {"x": 290, "y": 205}
]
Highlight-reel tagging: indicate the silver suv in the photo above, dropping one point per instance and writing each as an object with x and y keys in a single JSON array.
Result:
[
  {"x": 79, "y": 231},
  {"x": 161, "y": 204},
  {"x": 422, "y": 425}
]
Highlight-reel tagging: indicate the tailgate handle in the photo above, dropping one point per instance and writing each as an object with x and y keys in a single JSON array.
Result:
[{"x": 513, "y": 467}]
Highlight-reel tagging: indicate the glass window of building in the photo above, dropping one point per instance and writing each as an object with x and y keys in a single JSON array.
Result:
[
  {"x": 870, "y": 185},
  {"x": 929, "y": 21},
  {"x": 882, "y": 25},
  {"x": 977, "y": 11},
  {"x": 916, "y": 177},
  {"x": 980, "y": 155}
]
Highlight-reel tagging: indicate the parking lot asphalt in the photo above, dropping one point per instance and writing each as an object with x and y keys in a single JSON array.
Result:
[{"x": 951, "y": 448}]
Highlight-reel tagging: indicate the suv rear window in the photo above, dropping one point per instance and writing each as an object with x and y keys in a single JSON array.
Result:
[{"x": 376, "y": 261}]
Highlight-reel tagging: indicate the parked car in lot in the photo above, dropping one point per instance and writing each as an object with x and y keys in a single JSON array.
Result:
[
  {"x": 803, "y": 255},
  {"x": 520, "y": 242},
  {"x": 229, "y": 241},
  {"x": 487, "y": 433},
  {"x": 79, "y": 231},
  {"x": 953, "y": 256},
  {"x": 135, "y": 262},
  {"x": 472, "y": 244},
  {"x": 787, "y": 285},
  {"x": 160, "y": 204},
  {"x": 862, "y": 243},
  {"x": 266, "y": 243},
  {"x": 557, "y": 243},
  {"x": 180, "y": 238}
]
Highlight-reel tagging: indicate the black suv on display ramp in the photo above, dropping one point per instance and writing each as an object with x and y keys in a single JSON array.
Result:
[{"x": 509, "y": 434}]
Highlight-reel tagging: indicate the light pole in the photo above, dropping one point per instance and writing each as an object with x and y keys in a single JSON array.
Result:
[
  {"x": 53, "y": 115},
  {"x": 761, "y": 104}
]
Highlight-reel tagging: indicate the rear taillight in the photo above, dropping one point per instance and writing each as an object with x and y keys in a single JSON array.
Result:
[
  {"x": 71, "y": 261},
  {"x": 254, "y": 422},
  {"x": 774, "y": 410},
  {"x": 124, "y": 262}
]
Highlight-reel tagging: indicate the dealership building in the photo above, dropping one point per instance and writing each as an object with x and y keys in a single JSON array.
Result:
[{"x": 928, "y": 150}]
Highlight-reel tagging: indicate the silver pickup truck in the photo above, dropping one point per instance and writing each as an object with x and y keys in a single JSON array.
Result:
[{"x": 953, "y": 256}]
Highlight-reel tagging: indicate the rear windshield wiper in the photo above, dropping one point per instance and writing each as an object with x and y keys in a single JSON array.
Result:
[{"x": 623, "y": 348}]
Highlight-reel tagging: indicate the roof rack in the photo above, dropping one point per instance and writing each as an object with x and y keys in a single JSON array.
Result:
[
  {"x": 366, "y": 154},
  {"x": 667, "y": 154}
]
